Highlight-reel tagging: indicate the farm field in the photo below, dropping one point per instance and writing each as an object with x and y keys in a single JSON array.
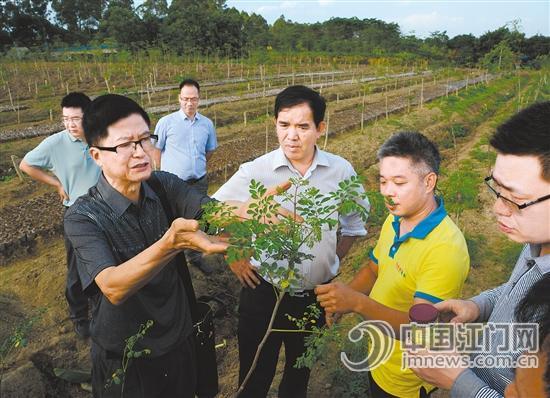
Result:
[{"x": 457, "y": 108}]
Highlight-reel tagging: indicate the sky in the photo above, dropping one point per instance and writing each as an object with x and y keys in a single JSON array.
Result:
[{"x": 418, "y": 17}]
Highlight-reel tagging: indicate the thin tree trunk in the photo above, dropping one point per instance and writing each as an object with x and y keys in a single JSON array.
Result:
[{"x": 262, "y": 343}]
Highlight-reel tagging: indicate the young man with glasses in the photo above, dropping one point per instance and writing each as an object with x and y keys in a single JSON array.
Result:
[
  {"x": 186, "y": 141},
  {"x": 520, "y": 182},
  {"x": 66, "y": 155},
  {"x": 420, "y": 257}
]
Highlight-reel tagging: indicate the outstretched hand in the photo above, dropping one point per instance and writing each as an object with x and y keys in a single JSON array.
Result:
[{"x": 185, "y": 234}]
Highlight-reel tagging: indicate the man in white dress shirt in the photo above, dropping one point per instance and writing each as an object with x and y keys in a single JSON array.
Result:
[{"x": 299, "y": 114}]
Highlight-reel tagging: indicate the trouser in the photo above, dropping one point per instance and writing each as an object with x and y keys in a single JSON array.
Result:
[
  {"x": 201, "y": 185},
  {"x": 255, "y": 309},
  {"x": 77, "y": 300},
  {"x": 172, "y": 375},
  {"x": 377, "y": 392}
]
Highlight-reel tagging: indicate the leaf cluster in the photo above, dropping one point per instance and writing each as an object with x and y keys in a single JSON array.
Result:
[{"x": 279, "y": 243}]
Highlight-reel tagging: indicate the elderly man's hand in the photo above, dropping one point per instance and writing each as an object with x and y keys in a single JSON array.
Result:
[
  {"x": 337, "y": 297},
  {"x": 185, "y": 234},
  {"x": 442, "y": 377}
]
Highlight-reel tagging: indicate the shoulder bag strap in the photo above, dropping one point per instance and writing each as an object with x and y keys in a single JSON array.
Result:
[{"x": 181, "y": 262}]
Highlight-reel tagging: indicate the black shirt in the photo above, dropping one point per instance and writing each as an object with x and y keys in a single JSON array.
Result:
[{"x": 106, "y": 229}]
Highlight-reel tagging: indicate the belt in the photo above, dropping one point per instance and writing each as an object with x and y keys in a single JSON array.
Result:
[
  {"x": 192, "y": 181},
  {"x": 311, "y": 293},
  {"x": 303, "y": 293}
]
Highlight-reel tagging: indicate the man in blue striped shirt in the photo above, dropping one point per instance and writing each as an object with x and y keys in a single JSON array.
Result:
[{"x": 520, "y": 182}]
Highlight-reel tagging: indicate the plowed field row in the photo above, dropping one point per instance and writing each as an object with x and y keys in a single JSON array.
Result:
[
  {"x": 271, "y": 90},
  {"x": 42, "y": 216}
]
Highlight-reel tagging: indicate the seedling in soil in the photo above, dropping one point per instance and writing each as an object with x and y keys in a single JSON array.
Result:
[
  {"x": 119, "y": 376},
  {"x": 278, "y": 247}
]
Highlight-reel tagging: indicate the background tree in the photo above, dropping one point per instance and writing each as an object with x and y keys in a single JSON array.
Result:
[
  {"x": 152, "y": 14},
  {"x": 80, "y": 17},
  {"x": 463, "y": 49},
  {"x": 500, "y": 58},
  {"x": 122, "y": 24}
]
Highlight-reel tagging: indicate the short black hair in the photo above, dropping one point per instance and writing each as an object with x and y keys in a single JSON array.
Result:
[
  {"x": 527, "y": 133},
  {"x": 414, "y": 146},
  {"x": 535, "y": 306},
  {"x": 105, "y": 111},
  {"x": 545, "y": 349},
  {"x": 76, "y": 100},
  {"x": 296, "y": 95},
  {"x": 190, "y": 82}
]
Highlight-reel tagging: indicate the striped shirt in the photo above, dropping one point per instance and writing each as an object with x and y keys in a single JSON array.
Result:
[{"x": 498, "y": 306}]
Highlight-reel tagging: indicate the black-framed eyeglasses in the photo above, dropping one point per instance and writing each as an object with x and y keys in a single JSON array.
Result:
[
  {"x": 128, "y": 148},
  {"x": 489, "y": 181}
]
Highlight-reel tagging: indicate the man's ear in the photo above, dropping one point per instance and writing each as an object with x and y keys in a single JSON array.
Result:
[
  {"x": 430, "y": 181},
  {"x": 95, "y": 154},
  {"x": 321, "y": 128}
]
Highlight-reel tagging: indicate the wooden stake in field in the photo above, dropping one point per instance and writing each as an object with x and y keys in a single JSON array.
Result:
[
  {"x": 386, "y": 96},
  {"x": 326, "y": 131},
  {"x": 11, "y": 98},
  {"x": 519, "y": 94},
  {"x": 244, "y": 118},
  {"x": 148, "y": 93},
  {"x": 266, "y": 136},
  {"x": 16, "y": 168},
  {"x": 422, "y": 94}
]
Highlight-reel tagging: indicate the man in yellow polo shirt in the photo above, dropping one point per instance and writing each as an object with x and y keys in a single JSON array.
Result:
[{"x": 420, "y": 257}]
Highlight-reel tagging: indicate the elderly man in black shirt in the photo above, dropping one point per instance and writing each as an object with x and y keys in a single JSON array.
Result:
[{"x": 126, "y": 248}]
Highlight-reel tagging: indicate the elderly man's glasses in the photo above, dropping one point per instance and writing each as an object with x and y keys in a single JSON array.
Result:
[
  {"x": 128, "y": 148},
  {"x": 490, "y": 182}
]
